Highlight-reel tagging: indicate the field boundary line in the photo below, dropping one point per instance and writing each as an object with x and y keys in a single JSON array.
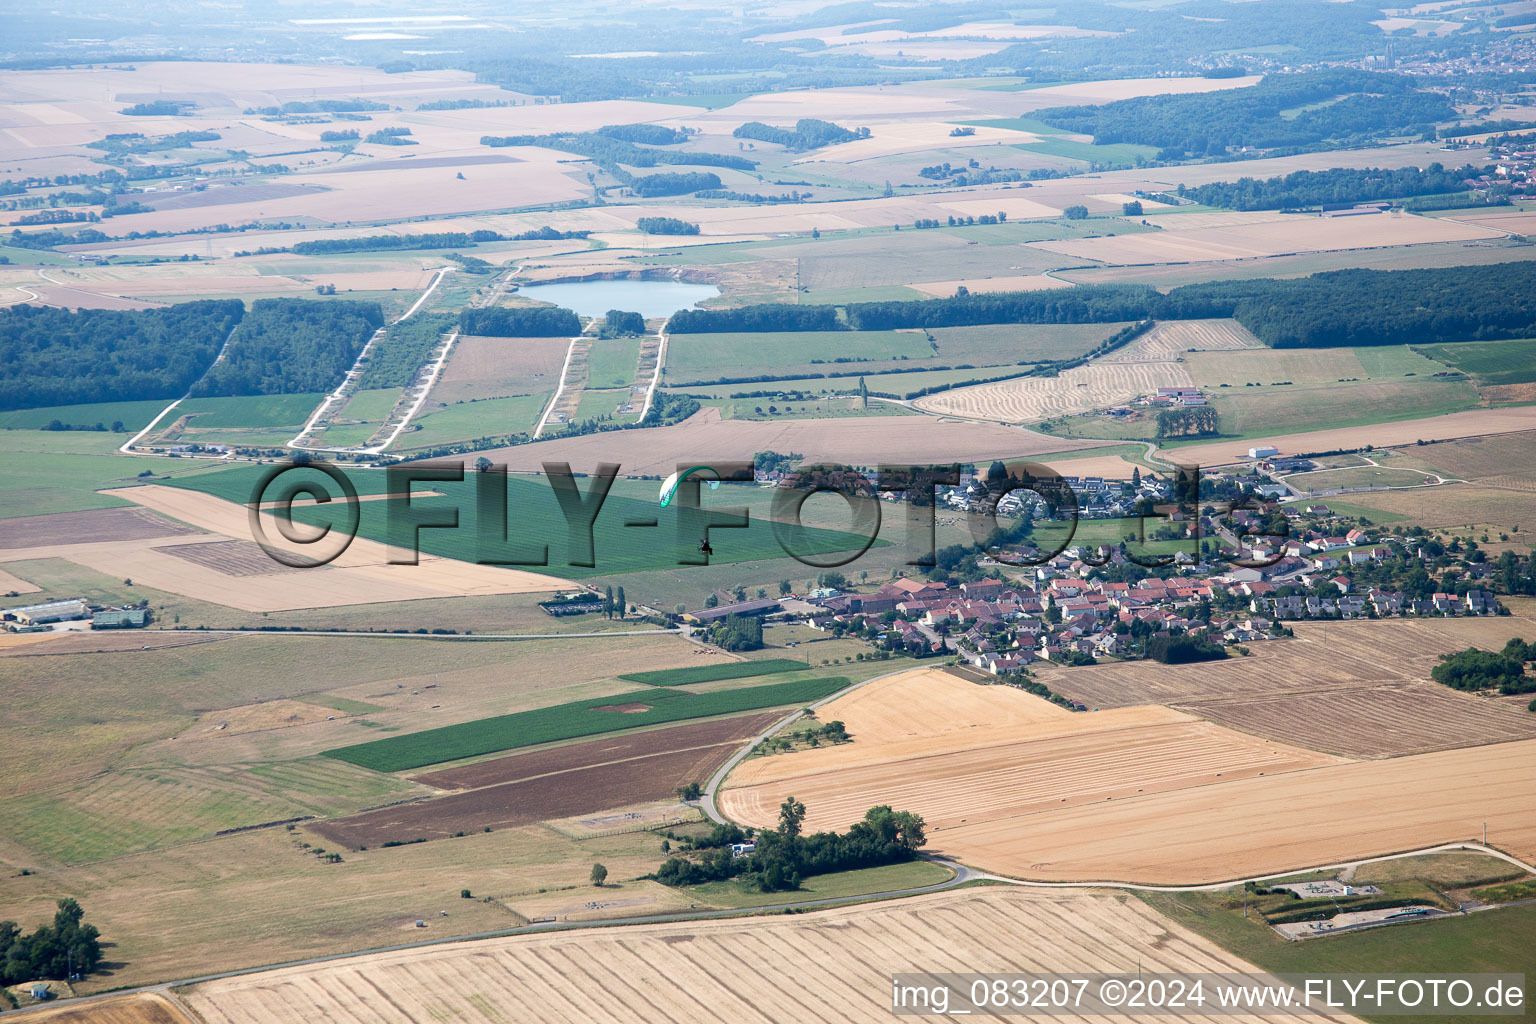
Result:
[
  {"x": 661, "y": 359},
  {"x": 421, "y": 399},
  {"x": 348, "y": 386},
  {"x": 707, "y": 799},
  {"x": 127, "y": 447},
  {"x": 559, "y": 389}
]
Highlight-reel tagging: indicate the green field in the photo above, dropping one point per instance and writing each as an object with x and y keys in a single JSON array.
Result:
[
  {"x": 532, "y": 506},
  {"x": 604, "y": 403},
  {"x": 465, "y": 420},
  {"x": 1491, "y": 362},
  {"x": 1109, "y": 533},
  {"x": 612, "y": 362},
  {"x": 1364, "y": 476},
  {"x": 34, "y": 483},
  {"x": 134, "y": 415},
  {"x": 702, "y": 357},
  {"x": 249, "y": 411},
  {"x": 1494, "y": 941},
  {"x": 709, "y": 673},
  {"x": 573, "y": 720},
  {"x": 913, "y": 874},
  {"x": 824, "y": 408},
  {"x": 893, "y": 383},
  {"x": 1120, "y": 154},
  {"x": 373, "y": 405}
]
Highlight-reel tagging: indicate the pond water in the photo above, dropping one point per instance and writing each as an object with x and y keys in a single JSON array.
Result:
[{"x": 648, "y": 298}]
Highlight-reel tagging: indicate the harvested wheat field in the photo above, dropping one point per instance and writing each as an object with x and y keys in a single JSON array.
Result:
[
  {"x": 361, "y": 575},
  {"x": 1504, "y": 460},
  {"x": 989, "y": 774},
  {"x": 1023, "y": 283},
  {"x": 144, "y": 1008},
  {"x": 1142, "y": 367},
  {"x": 1383, "y": 435},
  {"x": 1270, "y": 825},
  {"x": 1266, "y": 238},
  {"x": 1457, "y": 505},
  {"x": 1170, "y": 339},
  {"x": 840, "y": 962},
  {"x": 705, "y": 437},
  {"x": 1384, "y": 721},
  {"x": 1140, "y": 794},
  {"x": 1323, "y": 657}
]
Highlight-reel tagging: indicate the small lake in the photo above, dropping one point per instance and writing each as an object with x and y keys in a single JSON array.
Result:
[{"x": 596, "y": 298}]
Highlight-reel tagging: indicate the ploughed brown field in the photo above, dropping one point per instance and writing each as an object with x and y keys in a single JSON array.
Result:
[
  {"x": 1385, "y": 721},
  {"x": 553, "y": 783},
  {"x": 607, "y": 750},
  {"x": 97, "y": 525}
]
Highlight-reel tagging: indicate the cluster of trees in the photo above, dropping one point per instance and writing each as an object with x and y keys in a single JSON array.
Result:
[
  {"x": 131, "y": 143},
  {"x": 618, "y": 322},
  {"x": 1353, "y": 104},
  {"x": 646, "y": 134},
  {"x": 1078, "y": 212},
  {"x": 350, "y": 135},
  {"x": 1182, "y": 649},
  {"x": 609, "y": 152},
  {"x": 291, "y": 346},
  {"x": 614, "y": 603},
  {"x": 674, "y": 183},
  {"x": 737, "y": 633},
  {"x": 809, "y": 133},
  {"x": 1339, "y": 185},
  {"x": 1083, "y": 305},
  {"x": 56, "y": 950},
  {"x": 63, "y": 357},
  {"x": 462, "y": 104},
  {"x": 1370, "y": 307},
  {"x": 319, "y": 107},
  {"x": 1196, "y": 421},
  {"x": 666, "y": 226},
  {"x": 370, "y": 243},
  {"x": 157, "y": 108},
  {"x": 521, "y": 322},
  {"x": 394, "y": 361},
  {"x": 1473, "y": 669},
  {"x": 784, "y": 856},
  {"x": 959, "y": 222},
  {"x": 547, "y": 234},
  {"x": 765, "y": 317},
  {"x": 753, "y": 197},
  {"x": 390, "y": 137}
]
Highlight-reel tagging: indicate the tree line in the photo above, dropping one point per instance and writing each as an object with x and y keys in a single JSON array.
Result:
[
  {"x": 1339, "y": 185},
  {"x": 74, "y": 357},
  {"x": 521, "y": 322},
  {"x": 292, "y": 346},
  {"x": 1370, "y": 307},
  {"x": 1328, "y": 310},
  {"x": 609, "y": 152},
  {"x": 371, "y": 243}
]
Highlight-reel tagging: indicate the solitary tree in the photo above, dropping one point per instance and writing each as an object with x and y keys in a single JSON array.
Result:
[
  {"x": 483, "y": 464},
  {"x": 784, "y": 588},
  {"x": 619, "y": 603},
  {"x": 599, "y": 875},
  {"x": 791, "y": 817}
]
